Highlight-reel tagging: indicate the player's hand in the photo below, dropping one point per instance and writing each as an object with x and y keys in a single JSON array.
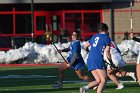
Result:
[
  {"x": 68, "y": 65},
  {"x": 59, "y": 51},
  {"x": 113, "y": 66}
]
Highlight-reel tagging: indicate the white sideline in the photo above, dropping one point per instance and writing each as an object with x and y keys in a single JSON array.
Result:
[{"x": 25, "y": 76}]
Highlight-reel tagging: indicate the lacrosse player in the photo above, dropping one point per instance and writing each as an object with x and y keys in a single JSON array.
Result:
[
  {"x": 99, "y": 43},
  {"x": 74, "y": 61},
  {"x": 119, "y": 66}
]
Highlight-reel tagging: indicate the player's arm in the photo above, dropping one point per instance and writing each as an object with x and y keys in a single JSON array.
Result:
[
  {"x": 107, "y": 51},
  {"x": 108, "y": 55},
  {"x": 86, "y": 46},
  {"x": 65, "y": 50},
  {"x": 86, "y": 49},
  {"x": 136, "y": 39}
]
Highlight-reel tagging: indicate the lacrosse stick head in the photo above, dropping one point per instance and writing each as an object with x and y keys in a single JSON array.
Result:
[{"x": 48, "y": 35}]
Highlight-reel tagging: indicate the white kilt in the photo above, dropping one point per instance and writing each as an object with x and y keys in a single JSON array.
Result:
[{"x": 116, "y": 59}]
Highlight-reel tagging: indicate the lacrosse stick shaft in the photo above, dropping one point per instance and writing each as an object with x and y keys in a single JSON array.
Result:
[
  {"x": 131, "y": 16},
  {"x": 49, "y": 36},
  {"x": 60, "y": 53}
]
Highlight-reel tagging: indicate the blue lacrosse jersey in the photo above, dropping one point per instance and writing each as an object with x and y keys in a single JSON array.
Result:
[
  {"x": 75, "y": 47},
  {"x": 95, "y": 59}
]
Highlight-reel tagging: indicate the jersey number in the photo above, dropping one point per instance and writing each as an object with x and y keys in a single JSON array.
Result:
[{"x": 96, "y": 41}]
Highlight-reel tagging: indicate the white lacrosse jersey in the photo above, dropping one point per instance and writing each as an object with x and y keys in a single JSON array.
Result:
[{"x": 115, "y": 55}]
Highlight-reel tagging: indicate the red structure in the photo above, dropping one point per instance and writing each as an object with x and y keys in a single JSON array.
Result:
[{"x": 62, "y": 19}]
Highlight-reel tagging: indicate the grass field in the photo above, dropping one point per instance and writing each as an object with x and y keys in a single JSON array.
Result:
[{"x": 39, "y": 79}]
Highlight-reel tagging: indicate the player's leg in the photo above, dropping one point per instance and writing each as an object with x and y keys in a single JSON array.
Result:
[
  {"x": 103, "y": 76},
  {"x": 112, "y": 76},
  {"x": 138, "y": 72},
  {"x": 138, "y": 68},
  {"x": 122, "y": 72},
  {"x": 61, "y": 69},
  {"x": 91, "y": 84},
  {"x": 117, "y": 61},
  {"x": 110, "y": 73},
  {"x": 81, "y": 75}
]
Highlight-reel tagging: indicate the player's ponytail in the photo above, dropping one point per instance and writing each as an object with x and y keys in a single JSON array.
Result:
[
  {"x": 103, "y": 27},
  {"x": 78, "y": 34}
]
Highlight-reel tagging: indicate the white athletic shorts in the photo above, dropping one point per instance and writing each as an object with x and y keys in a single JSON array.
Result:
[{"x": 117, "y": 60}]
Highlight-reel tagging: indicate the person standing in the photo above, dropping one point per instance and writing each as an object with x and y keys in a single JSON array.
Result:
[
  {"x": 75, "y": 61},
  {"x": 99, "y": 43},
  {"x": 138, "y": 59},
  {"x": 119, "y": 63}
]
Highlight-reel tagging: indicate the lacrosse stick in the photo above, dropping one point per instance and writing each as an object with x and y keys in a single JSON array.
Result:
[
  {"x": 110, "y": 63},
  {"x": 131, "y": 16},
  {"x": 125, "y": 53},
  {"x": 48, "y": 36}
]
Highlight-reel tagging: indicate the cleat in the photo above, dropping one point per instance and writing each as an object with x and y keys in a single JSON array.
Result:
[
  {"x": 133, "y": 76},
  {"x": 120, "y": 86},
  {"x": 58, "y": 85},
  {"x": 94, "y": 88},
  {"x": 83, "y": 90}
]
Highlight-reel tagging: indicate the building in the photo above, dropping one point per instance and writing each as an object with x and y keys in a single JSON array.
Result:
[{"x": 27, "y": 20}]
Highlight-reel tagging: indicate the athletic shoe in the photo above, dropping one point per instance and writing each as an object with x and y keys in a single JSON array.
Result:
[
  {"x": 133, "y": 76},
  {"x": 120, "y": 86},
  {"x": 83, "y": 90},
  {"x": 138, "y": 83},
  {"x": 94, "y": 88},
  {"x": 58, "y": 85}
]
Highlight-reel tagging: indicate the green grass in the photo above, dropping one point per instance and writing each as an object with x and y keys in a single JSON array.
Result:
[{"x": 43, "y": 85}]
